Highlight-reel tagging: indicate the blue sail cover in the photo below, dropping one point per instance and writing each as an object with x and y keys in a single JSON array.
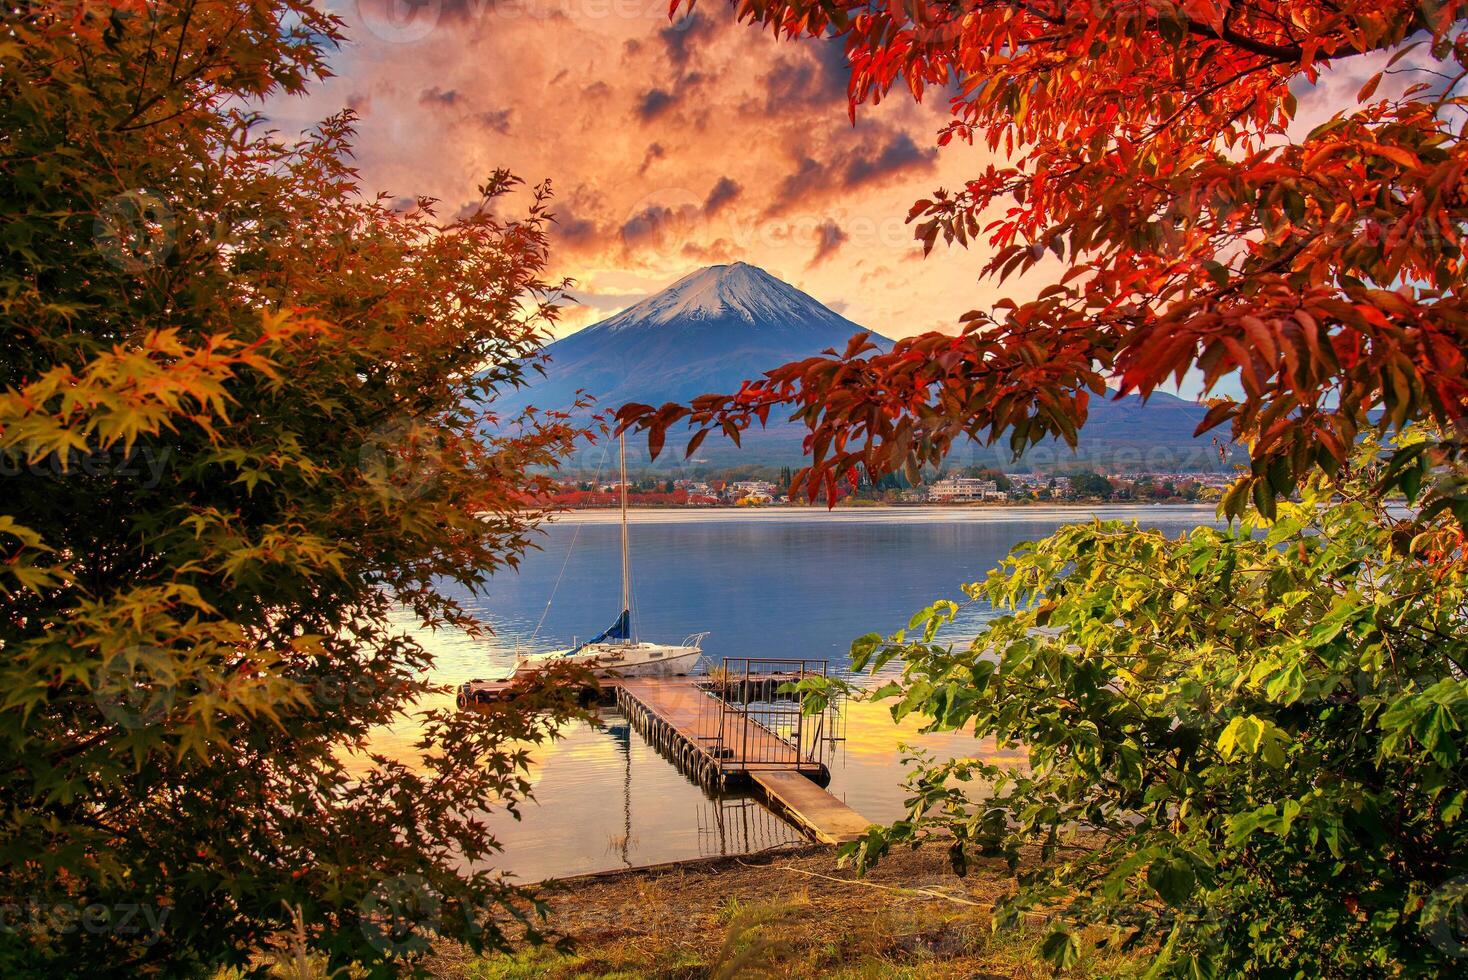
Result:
[{"x": 620, "y": 630}]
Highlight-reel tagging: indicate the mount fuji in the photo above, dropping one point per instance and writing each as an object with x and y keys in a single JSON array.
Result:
[
  {"x": 705, "y": 333},
  {"x": 717, "y": 327}
]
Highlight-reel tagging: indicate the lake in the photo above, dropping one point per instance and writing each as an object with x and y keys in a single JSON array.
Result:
[{"x": 786, "y": 582}]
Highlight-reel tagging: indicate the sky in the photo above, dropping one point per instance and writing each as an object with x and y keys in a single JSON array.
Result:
[{"x": 671, "y": 145}]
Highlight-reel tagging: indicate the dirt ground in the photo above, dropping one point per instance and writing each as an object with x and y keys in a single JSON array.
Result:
[{"x": 789, "y": 913}]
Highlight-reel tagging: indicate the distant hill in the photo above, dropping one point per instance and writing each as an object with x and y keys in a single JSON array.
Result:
[{"x": 719, "y": 326}]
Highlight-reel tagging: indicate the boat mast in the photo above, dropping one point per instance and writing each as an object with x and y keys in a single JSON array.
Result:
[{"x": 626, "y": 583}]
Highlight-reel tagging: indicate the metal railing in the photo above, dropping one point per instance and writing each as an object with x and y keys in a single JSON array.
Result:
[{"x": 762, "y": 722}]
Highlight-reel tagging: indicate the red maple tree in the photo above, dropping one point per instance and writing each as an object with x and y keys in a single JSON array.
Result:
[{"x": 1155, "y": 149}]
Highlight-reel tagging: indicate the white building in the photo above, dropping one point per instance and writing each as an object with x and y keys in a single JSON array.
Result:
[
  {"x": 963, "y": 489},
  {"x": 746, "y": 488}
]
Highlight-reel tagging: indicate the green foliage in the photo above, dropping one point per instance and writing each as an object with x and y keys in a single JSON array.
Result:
[
  {"x": 245, "y": 441},
  {"x": 1089, "y": 484},
  {"x": 1245, "y": 745}
]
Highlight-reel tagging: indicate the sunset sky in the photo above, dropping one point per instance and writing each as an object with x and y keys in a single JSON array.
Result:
[{"x": 671, "y": 146}]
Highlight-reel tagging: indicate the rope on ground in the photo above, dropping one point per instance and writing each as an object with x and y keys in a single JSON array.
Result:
[{"x": 928, "y": 892}]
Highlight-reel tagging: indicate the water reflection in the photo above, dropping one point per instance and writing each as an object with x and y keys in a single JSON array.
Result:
[
  {"x": 771, "y": 584},
  {"x": 605, "y": 799},
  {"x": 739, "y": 825}
]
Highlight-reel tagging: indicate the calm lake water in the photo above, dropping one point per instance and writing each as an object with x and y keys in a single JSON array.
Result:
[{"x": 772, "y": 583}]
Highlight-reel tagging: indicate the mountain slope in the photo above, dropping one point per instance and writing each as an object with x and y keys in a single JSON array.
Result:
[
  {"x": 721, "y": 325},
  {"x": 705, "y": 333}
]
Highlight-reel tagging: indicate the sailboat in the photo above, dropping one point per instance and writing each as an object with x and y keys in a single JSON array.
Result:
[{"x": 616, "y": 651}]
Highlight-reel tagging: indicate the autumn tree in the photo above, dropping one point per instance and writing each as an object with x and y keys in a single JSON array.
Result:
[
  {"x": 249, "y": 454},
  {"x": 1244, "y": 747},
  {"x": 1152, "y": 152},
  {"x": 1089, "y": 484}
]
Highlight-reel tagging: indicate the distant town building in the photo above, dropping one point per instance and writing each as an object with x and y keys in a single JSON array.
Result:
[
  {"x": 746, "y": 488},
  {"x": 963, "y": 489}
]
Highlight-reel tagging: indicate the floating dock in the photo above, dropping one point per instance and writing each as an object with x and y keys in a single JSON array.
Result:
[
  {"x": 705, "y": 726},
  {"x": 810, "y": 807},
  {"x": 687, "y": 721}
]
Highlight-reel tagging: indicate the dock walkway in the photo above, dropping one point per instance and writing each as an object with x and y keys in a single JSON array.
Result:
[
  {"x": 819, "y": 813},
  {"x": 680, "y": 717}
]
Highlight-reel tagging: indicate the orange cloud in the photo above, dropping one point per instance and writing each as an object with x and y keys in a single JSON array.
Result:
[
  {"x": 671, "y": 145},
  {"x": 831, "y": 238}
]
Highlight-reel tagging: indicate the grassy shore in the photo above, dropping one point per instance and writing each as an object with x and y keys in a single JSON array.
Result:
[{"x": 789, "y": 913}]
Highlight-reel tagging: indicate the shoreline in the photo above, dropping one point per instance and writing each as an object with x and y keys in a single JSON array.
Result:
[
  {"x": 888, "y": 513},
  {"x": 786, "y": 911}
]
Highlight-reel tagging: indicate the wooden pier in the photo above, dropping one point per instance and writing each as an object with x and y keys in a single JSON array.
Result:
[
  {"x": 689, "y": 721},
  {"x": 810, "y": 807},
  {"x": 679, "y": 716}
]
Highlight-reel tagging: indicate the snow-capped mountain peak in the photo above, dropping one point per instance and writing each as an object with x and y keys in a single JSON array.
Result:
[
  {"x": 718, "y": 327},
  {"x": 737, "y": 292}
]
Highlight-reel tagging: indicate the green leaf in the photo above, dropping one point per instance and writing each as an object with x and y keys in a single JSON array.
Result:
[
  {"x": 862, "y": 649},
  {"x": 1060, "y": 950},
  {"x": 1173, "y": 880}
]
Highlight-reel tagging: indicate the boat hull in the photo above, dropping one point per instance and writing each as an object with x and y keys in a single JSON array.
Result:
[
  {"x": 639, "y": 660},
  {"x": 671, "y": 666}
]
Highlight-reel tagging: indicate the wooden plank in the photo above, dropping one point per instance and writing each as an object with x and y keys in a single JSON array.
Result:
[
  {"x": 694, "y": 715},
  {"x": 678, "y": 702},
  {"x": 829, "y": 819},
  {"x": 504, "y": 689}
]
